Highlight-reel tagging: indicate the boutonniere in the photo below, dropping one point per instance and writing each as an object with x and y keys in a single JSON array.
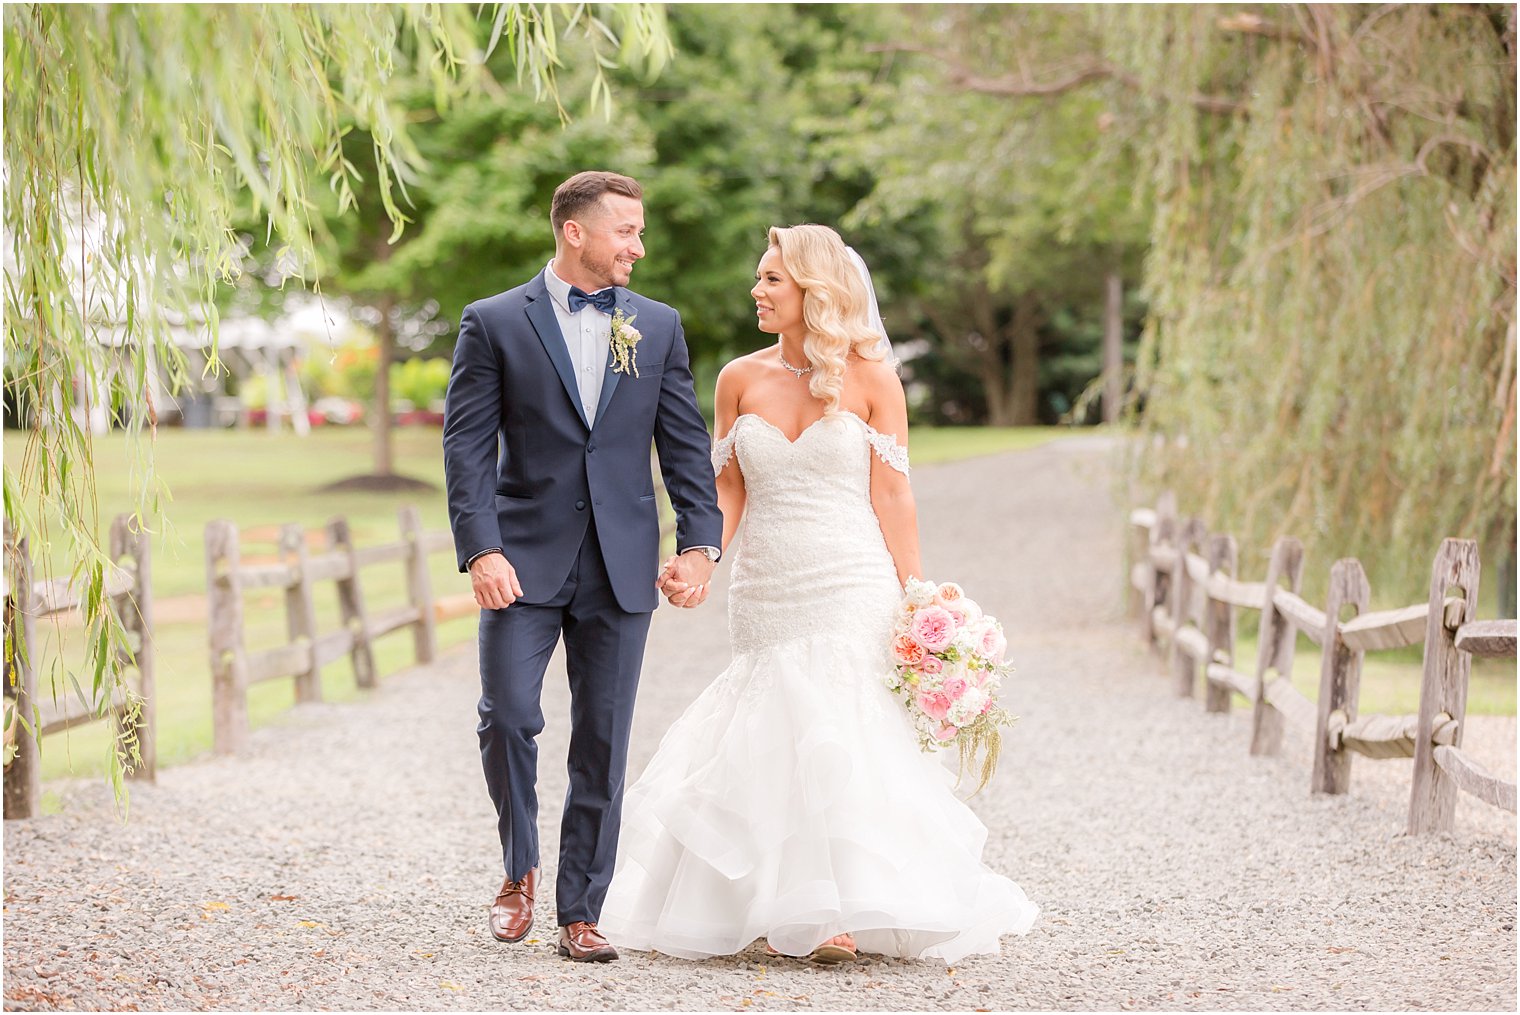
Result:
[{"x": 625, "y": 339}]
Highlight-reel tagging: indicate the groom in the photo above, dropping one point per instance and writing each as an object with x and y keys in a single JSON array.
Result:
[{"x": 558, "y": 387}]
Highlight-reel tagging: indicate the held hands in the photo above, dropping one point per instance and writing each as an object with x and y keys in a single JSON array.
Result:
[
  {"x": 494, "y": 581},
  {"x": 684, "y": 578}
]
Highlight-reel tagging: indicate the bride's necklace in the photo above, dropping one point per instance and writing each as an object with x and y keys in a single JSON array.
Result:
[{"x": 799, "y": 372}]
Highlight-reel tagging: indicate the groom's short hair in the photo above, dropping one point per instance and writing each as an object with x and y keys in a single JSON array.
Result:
[{"x": 583, "y": 190}]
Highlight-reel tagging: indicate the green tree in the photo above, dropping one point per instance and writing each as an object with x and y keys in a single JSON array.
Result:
[
  {"x": 135, "y": 138},
  {"x": 1024, "y": 223}
]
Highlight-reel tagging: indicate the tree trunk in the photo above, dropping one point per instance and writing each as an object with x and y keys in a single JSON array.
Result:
[
  {"x": 1023, "y": 402},
  {"x": 385, "y": 336}
]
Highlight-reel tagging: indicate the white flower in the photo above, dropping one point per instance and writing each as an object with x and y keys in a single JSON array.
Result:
[
  {"x": 965, "y": 642},
  {"x": 968, "y": 707},
  {"x": 919, "y": 593}
]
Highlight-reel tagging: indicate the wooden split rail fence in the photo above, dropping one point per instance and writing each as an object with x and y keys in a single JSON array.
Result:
[
  {"x": 1186, "y": 594},
  {"x": 298, "y": 573},
  {"x": 29, "y": 716}
]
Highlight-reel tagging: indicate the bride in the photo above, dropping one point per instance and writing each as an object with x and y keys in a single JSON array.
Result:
[{"x": 791, "y": 801}]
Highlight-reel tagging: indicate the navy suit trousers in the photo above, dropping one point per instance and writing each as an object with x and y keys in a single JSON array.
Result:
[{"x": 604, "y": 648}]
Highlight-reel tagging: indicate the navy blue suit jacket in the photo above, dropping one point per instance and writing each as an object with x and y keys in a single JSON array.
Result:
[{"x": 513, "y": 388}]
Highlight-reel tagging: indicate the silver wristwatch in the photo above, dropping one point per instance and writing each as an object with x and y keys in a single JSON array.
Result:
[{"x": 710, "y": 552}]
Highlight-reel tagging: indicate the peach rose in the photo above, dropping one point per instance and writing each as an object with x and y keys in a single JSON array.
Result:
[
  {"x": 948, "y": 594},
  {"x": 907, "y": 651}
]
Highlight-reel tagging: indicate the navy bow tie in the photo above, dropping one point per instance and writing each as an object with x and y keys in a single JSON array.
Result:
[{"x": 602, "y": 299}]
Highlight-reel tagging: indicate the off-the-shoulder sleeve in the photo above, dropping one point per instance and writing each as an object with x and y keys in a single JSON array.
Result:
[
  {"x": 723, "y": 450},
  {"x": 887, "y": 449}
]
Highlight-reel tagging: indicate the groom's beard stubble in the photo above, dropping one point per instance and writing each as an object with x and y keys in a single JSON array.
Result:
[{"x": 604, "y": 271}]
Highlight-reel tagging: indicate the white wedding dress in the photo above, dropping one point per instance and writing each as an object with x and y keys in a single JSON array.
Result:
[{"x": 791, "y": 801}]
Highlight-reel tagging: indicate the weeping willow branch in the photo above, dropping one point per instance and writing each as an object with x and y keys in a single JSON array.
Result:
[{"x": 1331, "y": 278}]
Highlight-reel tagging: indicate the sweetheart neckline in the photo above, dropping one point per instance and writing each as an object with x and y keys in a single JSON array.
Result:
[{"x": 804, "y": 432}]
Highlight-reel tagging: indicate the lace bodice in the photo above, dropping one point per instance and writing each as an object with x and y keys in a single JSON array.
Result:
[{"x": 811, "y": 558}]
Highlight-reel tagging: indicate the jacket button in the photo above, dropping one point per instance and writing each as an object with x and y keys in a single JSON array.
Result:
[
  {"x": 590, "y": 449},
  {"x": 580, "y": 505}
]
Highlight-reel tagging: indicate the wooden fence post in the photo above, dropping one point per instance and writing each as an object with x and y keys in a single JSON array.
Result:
[
  {"x": 135, "y": 608},
  {"x": 1340, "y": 678},
  {"x": 300, "y": 611},
  {"x": 1184, "y": 666},
  {"x": 351, "y": 604},
  {"x": 1162, "y": 533},
  {"x": 1219, "y": 620},
  {"x": 1137, "y": 546},
  {"x": 229, "y": 661},
  {"x": 1443, "y": 689},
  {"x": 1275, "y": 645},
  {"x": 419, "y": 585},
  {"x": 23, "y": 776}
]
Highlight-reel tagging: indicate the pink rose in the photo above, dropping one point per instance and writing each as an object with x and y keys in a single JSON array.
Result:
[
  {"x": 954, "y": 687},
  {"x": 994, "y": 644},
  {"x": 930, "y": 665},
  {"x": 933, "y": 704},
  {"x": 958, "y": 615},
  {"x": 945, "y": 732},
  {"x": 933, "y": 628}
]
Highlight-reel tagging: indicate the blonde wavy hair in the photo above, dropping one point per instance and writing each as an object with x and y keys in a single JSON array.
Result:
[{"x": 835, "y": 305}]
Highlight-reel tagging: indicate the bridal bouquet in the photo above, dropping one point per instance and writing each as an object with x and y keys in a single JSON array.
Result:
[{"x": 948, "y": 667}]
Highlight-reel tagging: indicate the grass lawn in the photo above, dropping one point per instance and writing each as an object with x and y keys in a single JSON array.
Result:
[{"x": 261, "y": 481}]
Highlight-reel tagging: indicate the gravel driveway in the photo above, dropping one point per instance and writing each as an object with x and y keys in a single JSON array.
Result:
[{"x": 347, "y": 858}]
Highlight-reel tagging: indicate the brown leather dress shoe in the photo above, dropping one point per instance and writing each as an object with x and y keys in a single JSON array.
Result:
[
  {"x": 512, "y": 912},
  {"x": 582, "y": 942}
]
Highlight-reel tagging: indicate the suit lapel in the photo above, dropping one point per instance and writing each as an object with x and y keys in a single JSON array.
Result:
[
  {"x": 541, "y": 313},
  {"x": 610, "y": 377}
]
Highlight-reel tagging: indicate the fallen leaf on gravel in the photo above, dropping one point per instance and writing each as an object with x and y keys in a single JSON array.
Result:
[
  {"x": 215, "y": 906},
  {"x": 1278, "y": 988},
  {"x": 309, "y": 923},
  {"x": 283, "y": 898},
  {"x": 423, "y": 955},
  {"x": 446, "y": 985}
]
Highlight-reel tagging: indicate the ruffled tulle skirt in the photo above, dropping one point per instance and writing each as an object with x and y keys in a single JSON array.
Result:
[{"x": 791, "y": 802}]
